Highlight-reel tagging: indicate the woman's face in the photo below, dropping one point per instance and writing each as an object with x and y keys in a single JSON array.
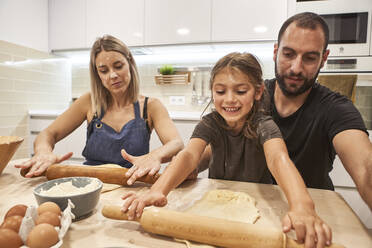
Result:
[
  {"x": 233, "y": 96},
  {"x": 113, "y": 69}
]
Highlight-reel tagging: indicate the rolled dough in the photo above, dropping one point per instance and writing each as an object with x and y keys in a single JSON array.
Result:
[{"x": 227, "y": 204}]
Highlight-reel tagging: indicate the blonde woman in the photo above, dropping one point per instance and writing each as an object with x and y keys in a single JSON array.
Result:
[{"x": 118, "y": 118}]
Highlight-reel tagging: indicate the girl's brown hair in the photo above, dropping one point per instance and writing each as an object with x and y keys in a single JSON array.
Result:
[
  {"x": 248, "y": 64},
  {"x": 100, "y": 95}
]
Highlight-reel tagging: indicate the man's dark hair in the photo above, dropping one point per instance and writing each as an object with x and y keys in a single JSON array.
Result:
[{"x": 306, "y": 20}]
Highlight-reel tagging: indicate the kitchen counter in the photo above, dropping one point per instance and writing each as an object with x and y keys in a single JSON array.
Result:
[
  {"x": 175, "y": 115},
  {"x": 97, "y": 231}
]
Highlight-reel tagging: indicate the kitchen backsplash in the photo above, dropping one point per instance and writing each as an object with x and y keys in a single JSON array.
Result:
[
  {"x": 148, "y": 87},
  {"x": 80, "y": 85},
  {"x": 29, "y": 79},
  {"x": 196, "y": 93}
]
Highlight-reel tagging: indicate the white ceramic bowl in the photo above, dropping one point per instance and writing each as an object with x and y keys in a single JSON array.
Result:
[{"x": 84, "y": 202}]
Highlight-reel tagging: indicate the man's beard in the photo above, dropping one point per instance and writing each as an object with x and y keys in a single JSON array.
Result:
[{"x": 308, "y": 83}]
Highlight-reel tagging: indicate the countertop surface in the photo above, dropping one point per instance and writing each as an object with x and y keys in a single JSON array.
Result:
[
  {"x": 97, "y": 231},
  {"x": 175, "y": 115}
]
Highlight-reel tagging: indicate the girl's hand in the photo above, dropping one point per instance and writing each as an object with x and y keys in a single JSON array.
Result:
[
  {"x": 135, "y": 204},
  {"x": 142, "y": 165},
  {"x": 40, "y": 162},
  {"x": 309, "y": 228}
]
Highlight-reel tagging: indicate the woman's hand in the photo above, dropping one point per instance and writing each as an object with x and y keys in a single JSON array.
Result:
[
  {"x": 135, "y": 204},
  {"x": 309, "y": 228},
  {"x": 142, "y": 165},
  {"x": 40, "y": 162}
]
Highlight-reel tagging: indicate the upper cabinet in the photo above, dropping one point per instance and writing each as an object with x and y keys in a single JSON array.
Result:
[
  {"x": 177, "y": 21},
  {"x": 25, "y": 23},
  {"x": 241, "y": 20},
  {"x": 123, "y": 19},
  {"x": 77, "y": 23},
  {"x": 67, "y": 24}
]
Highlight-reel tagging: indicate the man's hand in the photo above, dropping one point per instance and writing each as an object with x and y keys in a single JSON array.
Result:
[{"x": 309, "y": 228}]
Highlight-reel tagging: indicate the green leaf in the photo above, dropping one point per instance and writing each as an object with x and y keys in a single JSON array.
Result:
[{"x": 166, "y": 70}]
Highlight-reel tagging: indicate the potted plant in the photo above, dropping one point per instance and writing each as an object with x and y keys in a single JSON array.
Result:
[
  {"x": 166, "y": 70},
  {"x": 168, "y": 75}
]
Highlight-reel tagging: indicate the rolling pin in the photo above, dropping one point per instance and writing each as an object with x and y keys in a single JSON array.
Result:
[
  {"x": 105, "y": 174},
  {"x": 207, "y": 230}
]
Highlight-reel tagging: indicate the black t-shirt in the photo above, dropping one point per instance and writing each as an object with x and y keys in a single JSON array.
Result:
[
  {"x": 308, "y": 133},
  {"x": 235, "y": 157}
]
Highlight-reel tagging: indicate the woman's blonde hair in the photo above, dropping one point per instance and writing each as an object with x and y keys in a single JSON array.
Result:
[
  {"x": 100, "y": 96},
  {"x": 248, "y": 64}
]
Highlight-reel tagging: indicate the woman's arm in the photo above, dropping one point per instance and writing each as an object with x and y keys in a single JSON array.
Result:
[
  {"x": 44, "y": 143},
  {"x": 159, "y": 119},
  {"x": 301, "y": 216},
  {"x": 180, "y": 167}
]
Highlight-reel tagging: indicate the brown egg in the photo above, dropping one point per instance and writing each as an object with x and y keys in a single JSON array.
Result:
[
  {"x": 12, "y": 222},
  {"x": 42, "y": 236},
  {"x": 50, "y": 218},
  {"x": 19, "y": 209},
  {"x": 48, "y": 207},
  {"x": 9, "y": 238}
]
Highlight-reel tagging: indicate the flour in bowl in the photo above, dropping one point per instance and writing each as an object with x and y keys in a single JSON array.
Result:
[{"x": 68, "y": 189}]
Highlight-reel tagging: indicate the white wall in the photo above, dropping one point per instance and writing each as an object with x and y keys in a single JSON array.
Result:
[{"x": 25, "y": 22}]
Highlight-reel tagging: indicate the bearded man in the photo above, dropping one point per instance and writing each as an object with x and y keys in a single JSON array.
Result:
[{"x": 316, "y": 123}]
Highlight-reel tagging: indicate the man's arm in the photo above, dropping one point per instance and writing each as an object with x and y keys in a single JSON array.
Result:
[{"x": 355, "y": 151}]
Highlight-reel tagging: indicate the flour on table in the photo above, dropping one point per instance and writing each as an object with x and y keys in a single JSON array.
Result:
[{"x": 227, "y": 204}]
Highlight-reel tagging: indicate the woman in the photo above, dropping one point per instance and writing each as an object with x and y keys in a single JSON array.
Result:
[{"x": 118, "y": 118}]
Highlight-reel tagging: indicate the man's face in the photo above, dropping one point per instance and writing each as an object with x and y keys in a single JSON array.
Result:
[{"x": 299, "y": 59}]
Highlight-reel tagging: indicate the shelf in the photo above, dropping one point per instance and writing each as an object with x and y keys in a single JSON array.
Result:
[{"x": 179, "y": 78}]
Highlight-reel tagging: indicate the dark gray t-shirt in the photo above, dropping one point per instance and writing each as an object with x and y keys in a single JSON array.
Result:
[
  {"x": 235, "y": 157},
  {"x": 309, "y": 132}
]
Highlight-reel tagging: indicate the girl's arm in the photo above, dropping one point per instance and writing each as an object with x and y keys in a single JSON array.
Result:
[
  {"x": 301, "y": 216},
  {"x": 167, "y": 132},
  {"x": 179, "y": 168},
  {"x": 44, "y": 143}
]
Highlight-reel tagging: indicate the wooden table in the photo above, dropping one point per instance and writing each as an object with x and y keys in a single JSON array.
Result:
[{"x": 97, "y": 231}]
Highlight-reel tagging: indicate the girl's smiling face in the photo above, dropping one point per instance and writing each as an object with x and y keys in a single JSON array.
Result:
[
  {"x": 113, "y": 69},
  {"x": 233, "y": 96}
]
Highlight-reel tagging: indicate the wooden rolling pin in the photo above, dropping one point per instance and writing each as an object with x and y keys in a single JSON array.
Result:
[
  {"x": 105, "y": 174},
  {"x": 207, "y": 230}
]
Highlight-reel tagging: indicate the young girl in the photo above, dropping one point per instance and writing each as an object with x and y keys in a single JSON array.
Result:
[{"x": 246, "y": 145}]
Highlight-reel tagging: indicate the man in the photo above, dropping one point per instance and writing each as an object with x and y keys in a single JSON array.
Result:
[{"x": 315, "y": 122}]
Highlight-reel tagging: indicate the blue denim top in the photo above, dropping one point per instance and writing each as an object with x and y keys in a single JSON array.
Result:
[{"x": 104, "y": 144}]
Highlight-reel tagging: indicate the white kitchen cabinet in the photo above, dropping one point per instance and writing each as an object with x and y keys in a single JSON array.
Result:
[
  {"x": 185, "y": 128},
  {"x": 177, "y": 21},
  {"x": 241, "y": 20},
  {"x": 67, "y": 24},
  {"x": 123, "y": 19},
  {"x": 75, "y": 142},
  {"x": 25, "y": 23}
]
